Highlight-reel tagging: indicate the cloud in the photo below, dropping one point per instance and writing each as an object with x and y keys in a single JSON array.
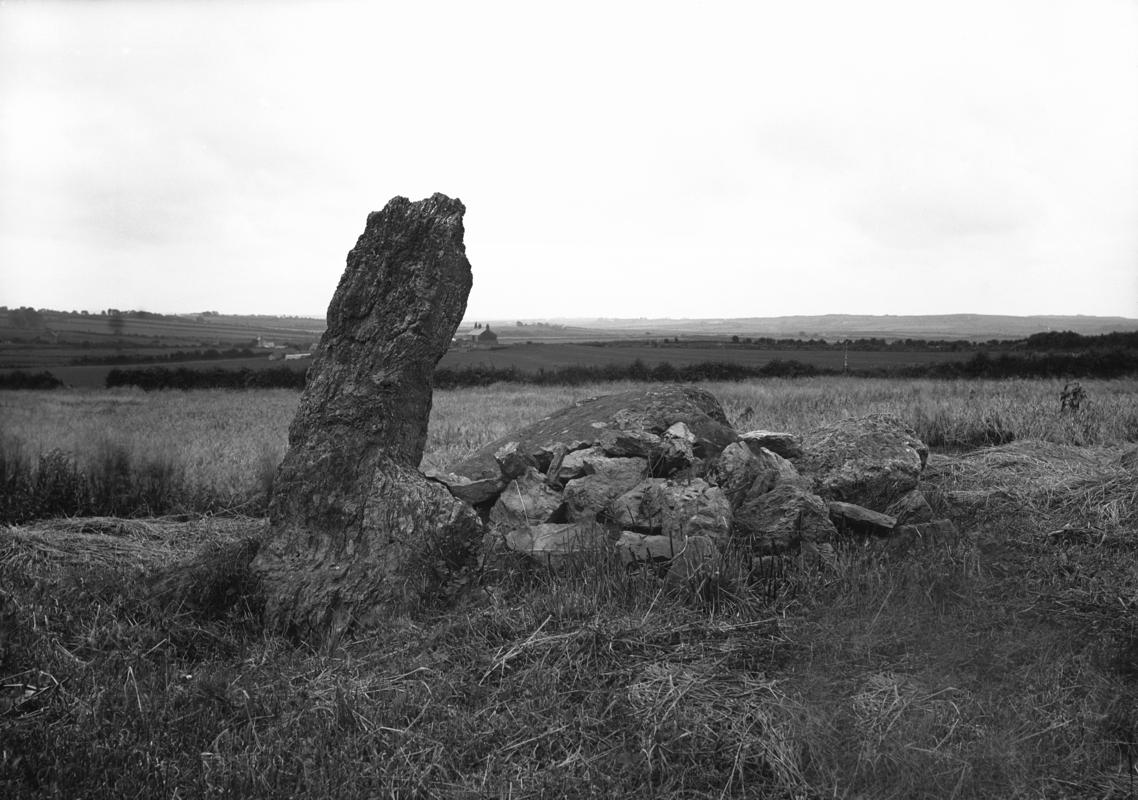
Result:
[{"x": 735, "y": 157}]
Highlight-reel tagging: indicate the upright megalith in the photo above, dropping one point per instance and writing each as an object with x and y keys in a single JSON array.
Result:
[{"x": 355, "y": 528}]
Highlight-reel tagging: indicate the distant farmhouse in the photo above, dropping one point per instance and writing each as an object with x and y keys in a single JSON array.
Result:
[
  {"x": 486, "y": 339},
  {"x": 479, "y": 340}
]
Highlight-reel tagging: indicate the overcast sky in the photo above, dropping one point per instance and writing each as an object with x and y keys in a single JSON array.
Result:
[{"x": 622, "y": 159}]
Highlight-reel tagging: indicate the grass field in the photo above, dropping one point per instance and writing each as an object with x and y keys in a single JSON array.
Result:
[
  {"x": 1001, "y": 665},
  {"x": 221, "y": 447},
  {"x": 60, "y": 338},
  {"x": 533, "y": 357}
]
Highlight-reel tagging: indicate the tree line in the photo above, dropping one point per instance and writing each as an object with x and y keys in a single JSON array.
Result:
[
  {"x": 1091, "y": 363},
  {"x": 151, "y": 378}
]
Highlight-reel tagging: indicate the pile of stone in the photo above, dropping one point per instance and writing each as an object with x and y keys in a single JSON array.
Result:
[
  {"x": 660, "y": 475},
  {"x": 357, "y": 531}
]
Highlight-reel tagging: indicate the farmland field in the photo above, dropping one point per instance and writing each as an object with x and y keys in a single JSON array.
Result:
[
  {"x": 999, "y": 665},
  {"x": 223, "y": 443},
  {"x": 534, "y": 357}
]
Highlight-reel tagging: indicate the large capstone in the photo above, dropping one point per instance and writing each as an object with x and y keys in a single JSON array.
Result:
[
  {"x": 354, "y": 527},
  {"x": 641, "y": 423}
]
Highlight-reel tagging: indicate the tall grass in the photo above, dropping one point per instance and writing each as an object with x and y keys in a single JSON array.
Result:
[{"x": 128, "y": 452}]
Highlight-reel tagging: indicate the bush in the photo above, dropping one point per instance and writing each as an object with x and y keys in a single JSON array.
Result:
[{"x": 26, "y": 380}]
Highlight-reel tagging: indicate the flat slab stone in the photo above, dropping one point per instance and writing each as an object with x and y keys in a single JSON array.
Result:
[
  {"x": 787, "y": 445},
  {"x": 858, "y": 520}
]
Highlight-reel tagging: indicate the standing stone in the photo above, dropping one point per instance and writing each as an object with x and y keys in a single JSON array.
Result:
[{"x": 354, "y": 526}]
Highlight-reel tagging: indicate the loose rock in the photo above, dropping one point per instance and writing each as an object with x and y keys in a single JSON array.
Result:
[
  {"x": 634, "y": 548},
  {"x": 870, "y": 460},
  {"x": 594, "y": 496},
  {"x": 782, "y": 520},
  {"x": 527, "y": 500},
  {"x": 686, "y": 560},
  {"x": 557, "y": 546},
  {"x": 786, "y": 445},
  {"x": 676, "y": 509},
  {"x": 774, "y": 470},
  {"x": 850, "y": 518},
  {"x": 735, "y": 471},
  {"x": 911, "y": 507}
]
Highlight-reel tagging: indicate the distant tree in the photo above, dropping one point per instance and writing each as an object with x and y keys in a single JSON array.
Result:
[
  {"x": 734, "y": 340},
  {"x": 26, "y": 317}
]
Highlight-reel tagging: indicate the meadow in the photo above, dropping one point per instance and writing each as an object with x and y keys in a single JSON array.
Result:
[
  {"x": 215, "y": 451},
  {"x": 999, "y": 665},
  {"x": 527, "y": 357}
]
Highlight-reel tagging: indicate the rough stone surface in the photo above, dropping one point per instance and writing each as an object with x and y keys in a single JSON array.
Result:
[
  {"x": 513, "y": 462},
  {"x": 630, "y": 424},
  {"x": 527, "y": 500},
  {"x": 783, "y": 519},
  {"x": 591, "y": 496},
  {"x": 911, "y": 507},
  {"x": 354, "y": 526},
  {"x": 633, "y": 508},
  {"x": 787, "y": 445},
  {"x": 774, "y": 470},
  {"x": 870, "y": 460},
  {"x": 676, "y": 509},
  {"x": 851, "y": 518},
  {"x": 686, "y": 559},
  {"x": 401, "y": 538},
  {"x": 473, "y": 492},
  {"x": 623, "y": 469},
  {"x": 636, "y": 548},
  {"x": 558, "y": 545},
  {"x": 735, "y": 471},
  {"x": 573, "y": 464}
]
